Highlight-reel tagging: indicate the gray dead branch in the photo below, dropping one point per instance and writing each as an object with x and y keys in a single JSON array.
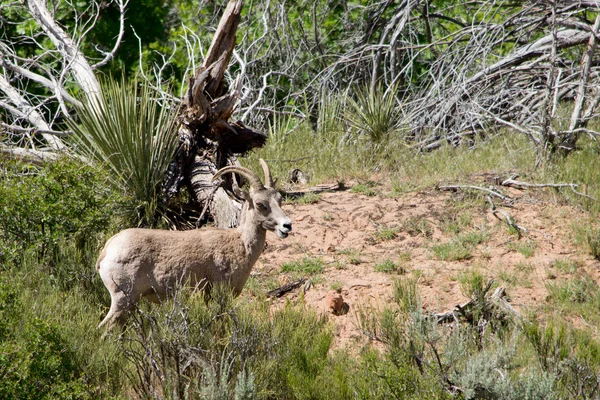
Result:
[
  {"x": 489, "y": 191},
  {"x": 35, "y": 91},
  {"x": 518, "y": 184},
  {"x": 505, "y": 218},
  {"x": 477, "y": 88},
  {"x": 35, "y": 157}
]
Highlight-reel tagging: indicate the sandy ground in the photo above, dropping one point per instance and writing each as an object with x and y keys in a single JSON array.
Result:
[{"x": 344, "y": 230}]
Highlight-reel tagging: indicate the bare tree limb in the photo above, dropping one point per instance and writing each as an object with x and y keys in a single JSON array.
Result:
[
  {"x": 586, "y": 63},
  {"x": 32, "y": 156},
  {"x": 110, "y": 55},
  {"x": 471, "y": 187},
  {"x": 572, "y": 186},
  {"x": 23, "y": 109},
  {"x": 75, "y": 59}
]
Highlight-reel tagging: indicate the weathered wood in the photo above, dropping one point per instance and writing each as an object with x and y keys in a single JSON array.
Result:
[
  {"x": 471, "y": 187},
  {"x": 490, "y": 304},
  {"x": 221, "y": 48},
  {"x": 208, "y": 141},
  {"x": 35, "y": 157}
]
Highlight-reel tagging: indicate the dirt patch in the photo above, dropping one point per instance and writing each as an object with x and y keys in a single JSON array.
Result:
[{"x": 356, "y": 236}]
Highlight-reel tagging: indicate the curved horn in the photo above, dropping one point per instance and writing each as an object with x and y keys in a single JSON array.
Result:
[
  {"x": 254, "y": 180},
  {"x": 265, "y": 167}
]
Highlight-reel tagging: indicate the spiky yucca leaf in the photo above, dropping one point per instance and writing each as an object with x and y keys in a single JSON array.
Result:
[
  {"x": 374, "y": 113},
  {"x": 133, "y": 135}
]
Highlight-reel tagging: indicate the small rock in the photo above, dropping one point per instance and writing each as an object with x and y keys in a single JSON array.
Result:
[{"x": 335, "y": 302}]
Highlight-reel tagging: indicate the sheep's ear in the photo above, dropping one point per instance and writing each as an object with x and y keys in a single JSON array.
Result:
[
  {"x": 237, "y": 191},
  {"x": 242, "y": 194}
]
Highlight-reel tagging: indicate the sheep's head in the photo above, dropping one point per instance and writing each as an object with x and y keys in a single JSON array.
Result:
[{"x": 263, "y": 199}]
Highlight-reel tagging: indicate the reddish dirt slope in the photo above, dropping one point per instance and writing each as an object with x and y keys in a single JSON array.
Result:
[{"x": 352, "y": 233}]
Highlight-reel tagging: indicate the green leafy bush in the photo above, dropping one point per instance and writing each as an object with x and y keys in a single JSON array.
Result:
[
  {"x": 41, "y": 358},
  {"x": 41, "y": 207}
]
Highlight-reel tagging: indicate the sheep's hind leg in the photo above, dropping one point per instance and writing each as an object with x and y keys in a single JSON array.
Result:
[{"x": 120, "y": 304}]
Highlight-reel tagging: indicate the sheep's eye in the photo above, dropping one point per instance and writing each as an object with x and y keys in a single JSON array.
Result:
[{"x": 261, "y": 206}]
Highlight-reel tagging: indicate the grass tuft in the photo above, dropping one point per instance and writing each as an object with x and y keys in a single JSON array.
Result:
[
  {"x": 366, "y": 189},
  {"x": 308, "y": 265},
  {"x": 388, "y": 266},
  {"x": 451, "y": 251},
  {"x": 566, "y": 266},
  {"x": 385, "y": 233},
  {"x": 526, "y": 248},
  {"x": 308, "y": 198},
  {"x": 472, "y": 283},
  {"x": 418, "y": 226}
]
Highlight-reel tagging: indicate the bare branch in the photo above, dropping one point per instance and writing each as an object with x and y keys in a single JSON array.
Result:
[
  {"x": 110, "y": 55},
  {"x": 52, "y": 85},
  {"x": 22, "y": 109},
  {"x": 33, "y": 156},
  {"x": 471, "y": 187},
  {"x": 77, "y": 63}
]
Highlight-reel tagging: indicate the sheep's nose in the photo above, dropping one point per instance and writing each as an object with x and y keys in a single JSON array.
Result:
[{"x": 288, "y": 226}]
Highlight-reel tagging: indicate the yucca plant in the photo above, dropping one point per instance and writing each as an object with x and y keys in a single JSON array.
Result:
[
  {"x": 133, "y": 135},
  {"x": 374, "y": 113}
]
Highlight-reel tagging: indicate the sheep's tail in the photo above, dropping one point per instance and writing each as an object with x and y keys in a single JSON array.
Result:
[{"x": 103, "y": 254}]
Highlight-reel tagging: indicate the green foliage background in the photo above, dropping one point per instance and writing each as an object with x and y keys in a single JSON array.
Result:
[{"x": 54, "y": 219}]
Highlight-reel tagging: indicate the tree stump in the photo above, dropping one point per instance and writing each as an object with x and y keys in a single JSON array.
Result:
[{"x": 208, "y": 141}]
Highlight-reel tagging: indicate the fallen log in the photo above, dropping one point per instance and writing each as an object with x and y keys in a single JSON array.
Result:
[{"x": 280, "y": 291}]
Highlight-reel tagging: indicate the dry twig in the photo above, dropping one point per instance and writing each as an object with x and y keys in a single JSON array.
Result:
[{"x": 471, "y": 187}]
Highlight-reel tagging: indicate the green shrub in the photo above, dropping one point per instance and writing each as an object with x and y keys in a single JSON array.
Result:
[
  {"x": 48, "y": 347},
  {"x": 38, "y": 365},
  {"x": 374, "y": 113},
  {"x": 187, "y": 347},
  {"x": 41, "y": 207}
]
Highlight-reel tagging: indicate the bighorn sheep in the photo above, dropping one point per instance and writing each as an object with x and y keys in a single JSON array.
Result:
[{"x": 147, "y": 263}]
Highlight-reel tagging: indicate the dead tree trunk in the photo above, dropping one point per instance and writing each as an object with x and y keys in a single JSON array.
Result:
[{"x": 208, "y": 141}]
